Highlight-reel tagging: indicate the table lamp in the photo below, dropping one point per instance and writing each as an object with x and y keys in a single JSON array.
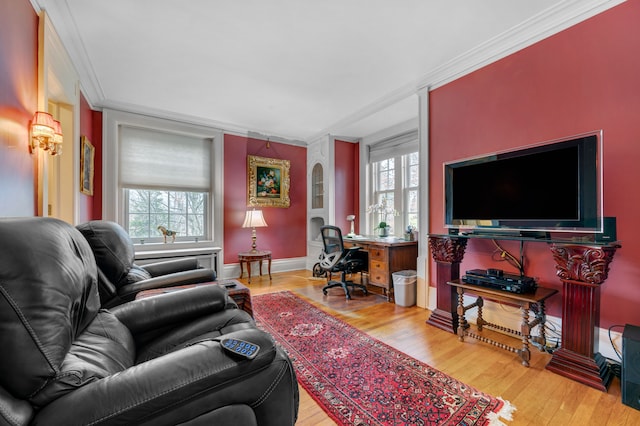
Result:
[
  {"x": 253, "y": 219},
  {"x": 351, "y": 218}
]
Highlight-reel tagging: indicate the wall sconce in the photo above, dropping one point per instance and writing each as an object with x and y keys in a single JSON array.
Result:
[
  {"x": 46, "y": 133},
  {"x": 253, "y": 219}
]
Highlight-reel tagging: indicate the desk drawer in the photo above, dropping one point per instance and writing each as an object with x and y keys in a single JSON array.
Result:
[
  {"x": 378, "y": 253},
  {"x": 378, "y": 272}
]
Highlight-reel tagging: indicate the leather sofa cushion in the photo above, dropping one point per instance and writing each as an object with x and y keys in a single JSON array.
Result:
[
  {"x": 48, "y": 296},
  {"x": 112, "y": 248},
  {"x": 136, "y": 273},
  {"x": 101, "y": 350}
]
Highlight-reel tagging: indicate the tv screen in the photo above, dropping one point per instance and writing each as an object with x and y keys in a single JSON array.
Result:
[{"x": 554, "y": 186}]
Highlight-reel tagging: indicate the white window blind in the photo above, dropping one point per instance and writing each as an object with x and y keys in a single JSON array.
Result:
[
  {"x": 154, "y": 159},
  {"x": 405, "y": 143}
]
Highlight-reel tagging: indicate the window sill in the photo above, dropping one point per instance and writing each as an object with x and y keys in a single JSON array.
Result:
[{"x": 155, "y": 250}]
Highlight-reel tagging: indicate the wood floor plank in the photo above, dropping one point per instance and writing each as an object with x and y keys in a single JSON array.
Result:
[{"x": 540, "y": 396}]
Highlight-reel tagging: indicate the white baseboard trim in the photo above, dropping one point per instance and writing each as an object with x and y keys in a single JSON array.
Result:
[
  {"x": 232, "y": 270},
  {"x": 510, "y": 316}
]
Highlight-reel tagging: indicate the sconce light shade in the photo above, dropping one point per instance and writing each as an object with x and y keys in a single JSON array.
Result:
[
  {"x": 42, "y": 125},
  {"x": 46, "y": 133},
  {"x": 253, "y": 219}
]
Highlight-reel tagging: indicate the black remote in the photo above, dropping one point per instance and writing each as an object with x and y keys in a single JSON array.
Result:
[{"x": 240, "y": 347}]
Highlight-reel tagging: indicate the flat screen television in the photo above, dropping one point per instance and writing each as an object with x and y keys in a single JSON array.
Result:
[{"x": 554, "y": 186}]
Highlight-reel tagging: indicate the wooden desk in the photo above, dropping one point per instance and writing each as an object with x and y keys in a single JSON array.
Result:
[
  {"x": 254, "y": 256},
  {"x": 525, "y": 301},
  {"x": 386, "y": 256},
  {"x": 239, "y": 292}
]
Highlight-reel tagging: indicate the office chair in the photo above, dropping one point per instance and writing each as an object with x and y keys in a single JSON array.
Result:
[{"x": 335, "y": 258}]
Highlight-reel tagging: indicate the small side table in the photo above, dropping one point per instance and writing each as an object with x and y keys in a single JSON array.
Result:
[
  {"x": 525, "y": 301},
  {"x": 254, "y": 256}
]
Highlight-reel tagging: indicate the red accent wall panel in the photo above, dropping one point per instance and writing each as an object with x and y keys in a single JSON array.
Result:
[
  {"x": 584, "y": 78},
  {"x": 286, "y": 234},
  {"x": 346, "y": 183},
  {"x": 91, "y": 127},
  {"x": 18, "y": 102}
]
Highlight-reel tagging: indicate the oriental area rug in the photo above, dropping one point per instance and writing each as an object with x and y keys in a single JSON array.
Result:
[{"x": 359, "y": 380}]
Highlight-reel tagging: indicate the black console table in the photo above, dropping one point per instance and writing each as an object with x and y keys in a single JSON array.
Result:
[{"x": 581, "y": 265}]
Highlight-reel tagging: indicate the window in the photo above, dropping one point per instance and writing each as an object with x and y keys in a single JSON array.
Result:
[
  {"x": 394, "y": 165},
  {"x": 180, "y": 211},
  {"x": 165, "y": 179}
]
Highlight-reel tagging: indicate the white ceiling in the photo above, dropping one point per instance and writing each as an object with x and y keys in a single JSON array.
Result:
[{"x": 293, "y": 69}]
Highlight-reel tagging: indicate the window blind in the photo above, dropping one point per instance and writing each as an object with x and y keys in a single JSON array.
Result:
[
  {"x": 394, "y": 146},
  {"x": 159, "y": 160}
]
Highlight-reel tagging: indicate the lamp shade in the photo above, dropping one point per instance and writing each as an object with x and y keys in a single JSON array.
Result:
[
  {"x": 57, "y": 132},
  {"x": 42, "y": 125},
  {"x": 254, "y": 219}
]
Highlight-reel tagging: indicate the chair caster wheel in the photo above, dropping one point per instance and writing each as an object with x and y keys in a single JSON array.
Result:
[{"x": 324, "y": 292}]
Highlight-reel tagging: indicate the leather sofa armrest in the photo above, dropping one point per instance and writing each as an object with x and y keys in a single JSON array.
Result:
[
  {"x": 204, "y": 371},
  {"x": 196, "y": 276},
  {"x": 170, "y": 308},
  {"x": 14, "y": 411},
  {"x": 171, "y": 266}
]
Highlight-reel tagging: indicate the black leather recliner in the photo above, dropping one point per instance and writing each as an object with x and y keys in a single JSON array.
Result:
[
  {"x": 154, "y": 361},
  {"x": 120, "y": 279}
]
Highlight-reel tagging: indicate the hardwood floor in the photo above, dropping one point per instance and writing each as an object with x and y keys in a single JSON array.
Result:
[{"x": 540, "y": 396}]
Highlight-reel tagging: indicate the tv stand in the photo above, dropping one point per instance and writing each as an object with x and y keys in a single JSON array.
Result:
[{"x": 582, "y": 268}]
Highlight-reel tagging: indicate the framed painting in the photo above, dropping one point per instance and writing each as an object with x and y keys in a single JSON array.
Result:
[
  {"x": 87, "y": 154},
  {"x": 267, "y": 182}
]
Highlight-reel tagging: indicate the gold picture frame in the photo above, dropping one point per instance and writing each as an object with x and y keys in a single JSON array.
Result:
[
  {"x": 87, "y": 154},
  {"x": 267, "y": 182}
]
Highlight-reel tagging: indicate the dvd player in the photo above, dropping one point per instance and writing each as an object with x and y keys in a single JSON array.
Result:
[{"x": 496, "y": 278}]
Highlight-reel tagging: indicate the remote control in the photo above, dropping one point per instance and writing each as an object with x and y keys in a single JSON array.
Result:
[{"x": 240, "y": 347}]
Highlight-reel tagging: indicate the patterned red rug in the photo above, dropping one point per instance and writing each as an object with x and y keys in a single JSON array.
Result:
[{"x": 359, "y": 380}]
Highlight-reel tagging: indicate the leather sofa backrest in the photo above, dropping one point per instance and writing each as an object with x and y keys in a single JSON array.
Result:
[
  {"x": 48, "y": 296},
  {"x": 112, "y": 248}
]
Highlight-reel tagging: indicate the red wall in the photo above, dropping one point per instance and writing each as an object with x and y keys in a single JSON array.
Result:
[
  {"x": 347, "y": 180},
  {"x": 286, "y": 233},
  {"x": 18, "y": 102},
  {"x": 91, "y": 127},
  {"x": 582, "y": 79}
]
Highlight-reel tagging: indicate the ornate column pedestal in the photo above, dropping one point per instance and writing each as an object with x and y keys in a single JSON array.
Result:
[
  {"x": 582, "y": 269},
  {"x": 447, "y": 253}
]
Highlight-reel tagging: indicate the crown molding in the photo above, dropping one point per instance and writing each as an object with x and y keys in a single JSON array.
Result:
[
  {"x": 61, "y": 17},
  {"x": 539, "y": 27},
  {"x": 227, "y": 128},
  {"x": 547, "y": 23}
]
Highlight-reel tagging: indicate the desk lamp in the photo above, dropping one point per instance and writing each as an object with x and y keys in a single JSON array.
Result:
[
  {"x": 351, "y": 218},
  {"x": 253, "y": 219}
]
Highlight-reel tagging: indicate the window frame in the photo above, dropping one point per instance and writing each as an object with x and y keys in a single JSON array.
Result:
[
  {"x": 114, "y": 198},
  {"x": 400, "y": 192}
]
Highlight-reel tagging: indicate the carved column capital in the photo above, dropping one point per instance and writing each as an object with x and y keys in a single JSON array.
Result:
[
  {"x": 582, "y": 263},
  {"x": 447, "y": 249}
]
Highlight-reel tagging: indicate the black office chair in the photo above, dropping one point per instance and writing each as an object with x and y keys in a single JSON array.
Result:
[{"x": 335, "y": 258}]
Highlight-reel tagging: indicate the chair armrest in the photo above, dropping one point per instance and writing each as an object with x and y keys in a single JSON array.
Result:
[
  {"x": 171, "y": 266},
  {"x": 170, "y": 308},
  {"x": 14, "y": 411},
  {"x": 190, "y": 381},
  {"x": 196, "y": 276}
]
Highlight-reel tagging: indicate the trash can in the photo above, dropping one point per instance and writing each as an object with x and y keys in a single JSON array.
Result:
[{"x": 404, "y": 287}]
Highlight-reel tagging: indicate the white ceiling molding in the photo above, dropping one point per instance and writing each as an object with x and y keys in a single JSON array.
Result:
[
  {"x": 535, "y": 29},
  {"x": 360, "y": 123}
]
